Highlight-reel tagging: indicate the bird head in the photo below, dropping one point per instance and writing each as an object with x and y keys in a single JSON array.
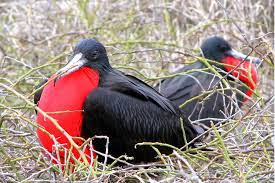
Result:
[
  {"x": 87, "y": 53},
  {"x": 237, "y": 64}
]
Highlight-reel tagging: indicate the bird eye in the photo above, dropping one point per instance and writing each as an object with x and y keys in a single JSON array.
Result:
[
  {"x": 94, "y": 54},
  {"x": 223, "y": 48}
]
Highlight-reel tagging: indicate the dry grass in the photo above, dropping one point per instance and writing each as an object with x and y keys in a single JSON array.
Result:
[{"x": 143, "y": 39}]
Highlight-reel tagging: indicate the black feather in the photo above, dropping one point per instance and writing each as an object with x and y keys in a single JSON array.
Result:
[
  {"x": 128, "y": 111},
  {"x": 211, "y": 107},
  {"x": 38, "y": 93},
  {"x": 130, "y": 85},
  {"x": 127, "y": 120}
]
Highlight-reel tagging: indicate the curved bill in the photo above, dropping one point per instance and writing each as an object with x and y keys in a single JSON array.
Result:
[
  {"x": 256, "y": 61},
  {"x": 74, "y": 64}
]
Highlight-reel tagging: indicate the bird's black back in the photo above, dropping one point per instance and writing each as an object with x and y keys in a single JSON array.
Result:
[
  {"x": 126, "y": 109},
  {"x": 132, "y": 86},
  {"x": 127, "y": 120},
  {"x": 129, "y": 111},
  {"x": 214, "y": 106}
]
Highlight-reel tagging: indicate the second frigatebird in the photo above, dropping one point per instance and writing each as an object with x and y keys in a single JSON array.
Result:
[
  {"x": 89, "y": 97},
  {"x": 187, "y": 90}
]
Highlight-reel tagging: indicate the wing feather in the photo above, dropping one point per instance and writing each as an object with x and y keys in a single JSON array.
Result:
[{"x": 130, "y": 85}]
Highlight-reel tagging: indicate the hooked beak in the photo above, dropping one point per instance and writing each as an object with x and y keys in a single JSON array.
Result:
[
  {"x": 74, "y": 64},
  {"x": 256, "y": 61}
]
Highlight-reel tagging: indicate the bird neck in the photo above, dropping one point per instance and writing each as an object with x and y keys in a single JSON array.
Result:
[
  {"x": 102, "y": 65},
  {"x": 105, "y": 68}
]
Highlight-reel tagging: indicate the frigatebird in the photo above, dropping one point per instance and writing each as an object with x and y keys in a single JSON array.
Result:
[
  {"x": 88, "y": 97},
  {"x": 190, "y": 91}
]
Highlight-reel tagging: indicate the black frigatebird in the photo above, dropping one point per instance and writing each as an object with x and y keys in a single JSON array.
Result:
[
  {"x": 89, "y": 97},
  {"x": 187, "y": 90}
]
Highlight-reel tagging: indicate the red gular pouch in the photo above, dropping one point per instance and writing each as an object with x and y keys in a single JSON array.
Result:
[
  {"x": 63, "y": 101},
  {"x": 246, "y": 72}
]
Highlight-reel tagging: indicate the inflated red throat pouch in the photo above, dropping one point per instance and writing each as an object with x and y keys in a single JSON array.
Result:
[{"x": 63, "y": 101}]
